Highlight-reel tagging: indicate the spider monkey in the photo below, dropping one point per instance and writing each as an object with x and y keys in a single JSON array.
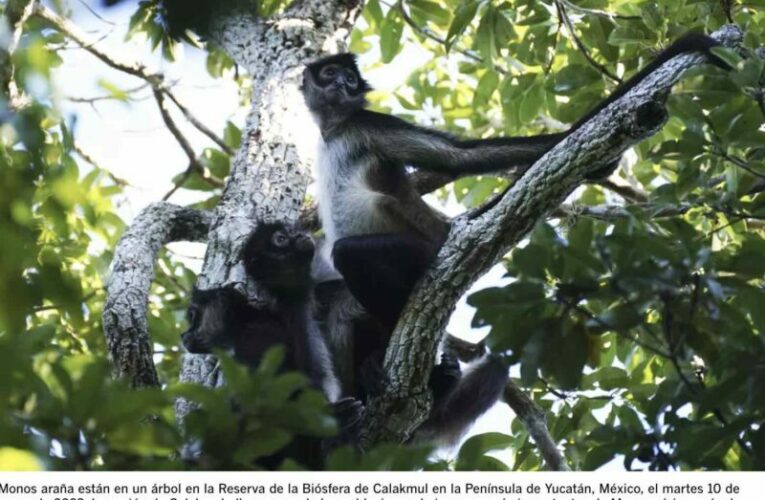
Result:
[
  {"x": 382, "y": 234},
  {"x": 278, "y": 258}
]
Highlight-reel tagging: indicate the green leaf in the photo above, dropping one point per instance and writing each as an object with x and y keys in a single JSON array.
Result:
[
  {"x": 390, "y": 35},
  {"x": 232, "y": 135},
  {"x": 486, "y": 87},
  {"x": 463, "y": 16},
  {"x": 485, "y": 37},
  {"x": 432, "y": 11},
  {"x": 473, "y": 452}
]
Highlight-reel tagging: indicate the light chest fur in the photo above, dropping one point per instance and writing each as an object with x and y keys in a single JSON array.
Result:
[{"x": 348, "y": 205}]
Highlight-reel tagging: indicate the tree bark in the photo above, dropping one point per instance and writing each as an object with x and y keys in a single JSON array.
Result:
[
  {"x": 127, "y": 291},
  {"x": 270, "y": 173},
  {"x": 16, "y": 13}
]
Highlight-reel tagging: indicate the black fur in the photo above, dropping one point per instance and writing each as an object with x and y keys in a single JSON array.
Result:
[
  {"x": 358, "y": 343},
  {"x": 460, "y": 398}
]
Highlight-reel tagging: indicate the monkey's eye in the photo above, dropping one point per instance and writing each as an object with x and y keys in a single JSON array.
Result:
[
  {"x": 328, "y": 72},
  {"x": 350, "y": 78},
  {"x": 280, "y": 240},
  {"x": 191, "y": 315}
]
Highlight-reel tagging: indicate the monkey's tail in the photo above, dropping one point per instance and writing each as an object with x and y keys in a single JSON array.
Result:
[
  {"x": 690, "y": 42},
  {"x": 477, "y": 390}
]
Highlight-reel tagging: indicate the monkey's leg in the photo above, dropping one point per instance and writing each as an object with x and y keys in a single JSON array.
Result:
[{"x": 381, "y": 270}]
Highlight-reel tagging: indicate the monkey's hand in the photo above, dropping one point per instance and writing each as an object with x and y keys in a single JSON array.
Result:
[
  {"x": 348, "y": 413},
  {"x": 444, "y": 376}
]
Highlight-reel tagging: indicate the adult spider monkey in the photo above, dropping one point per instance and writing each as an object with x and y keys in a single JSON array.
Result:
[
  {"x": 382, "y": 234},
  {"x": 278, "y": 258}
]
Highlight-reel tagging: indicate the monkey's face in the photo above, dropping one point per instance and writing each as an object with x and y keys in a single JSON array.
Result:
[
  {"x": 279, "y": 257},
  {"x": 213, "y": 320},
  {"x": 334, "y": 82}
]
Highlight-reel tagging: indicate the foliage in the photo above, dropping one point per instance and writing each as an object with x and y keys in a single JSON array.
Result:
[{"x": 640, "y": 333}]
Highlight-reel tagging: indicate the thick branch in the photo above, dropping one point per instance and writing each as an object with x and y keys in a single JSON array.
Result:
[
  {"x": 475, "y": 244},
  {"x": 127, "y": 292}
]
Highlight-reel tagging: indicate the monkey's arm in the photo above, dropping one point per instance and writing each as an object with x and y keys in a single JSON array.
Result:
[{"x": 404, "y": 143}]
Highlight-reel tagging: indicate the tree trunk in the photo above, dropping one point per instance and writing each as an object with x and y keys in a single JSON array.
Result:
[{"x": 270, "y": 172}]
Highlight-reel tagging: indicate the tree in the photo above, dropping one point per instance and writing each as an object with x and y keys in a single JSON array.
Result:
[{"x": 632, "y": 302}]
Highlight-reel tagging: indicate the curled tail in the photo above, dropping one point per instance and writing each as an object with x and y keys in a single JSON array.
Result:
[{"x": 471, "y": 396}]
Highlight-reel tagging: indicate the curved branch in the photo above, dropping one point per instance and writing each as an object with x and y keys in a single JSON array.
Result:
[
  {"x": 476, "y": 243},
  {"x": 127, "y": 292}
]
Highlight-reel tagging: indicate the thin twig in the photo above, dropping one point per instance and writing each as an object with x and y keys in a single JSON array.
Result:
[
  {"x": 625, "y": 191},
  {"x": 52, "y": 307},
  {"x": 727, "y": 6},
  {"x": 85, "y": 156},
  {"x": 427, "y": 33},
  {"x": 738, "y": 162},
  {"x": 648, "y": 347},
  {"x": 194, "y": 165},
  {"x": 96, "y": 14},
  {"x": 580, "y": 45},
  {"x": 199, "y": 125},
  {"x": 601, "y": 13},
  {"x": 107, "y": 97},
  {"x": 156, "y": 80}
]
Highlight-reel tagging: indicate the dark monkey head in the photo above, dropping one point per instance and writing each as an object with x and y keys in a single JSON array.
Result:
[
  {"x": 334, "y": 83},
  {"x": 278, "y": 257},
  {"x": 215, "y": 318}
]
